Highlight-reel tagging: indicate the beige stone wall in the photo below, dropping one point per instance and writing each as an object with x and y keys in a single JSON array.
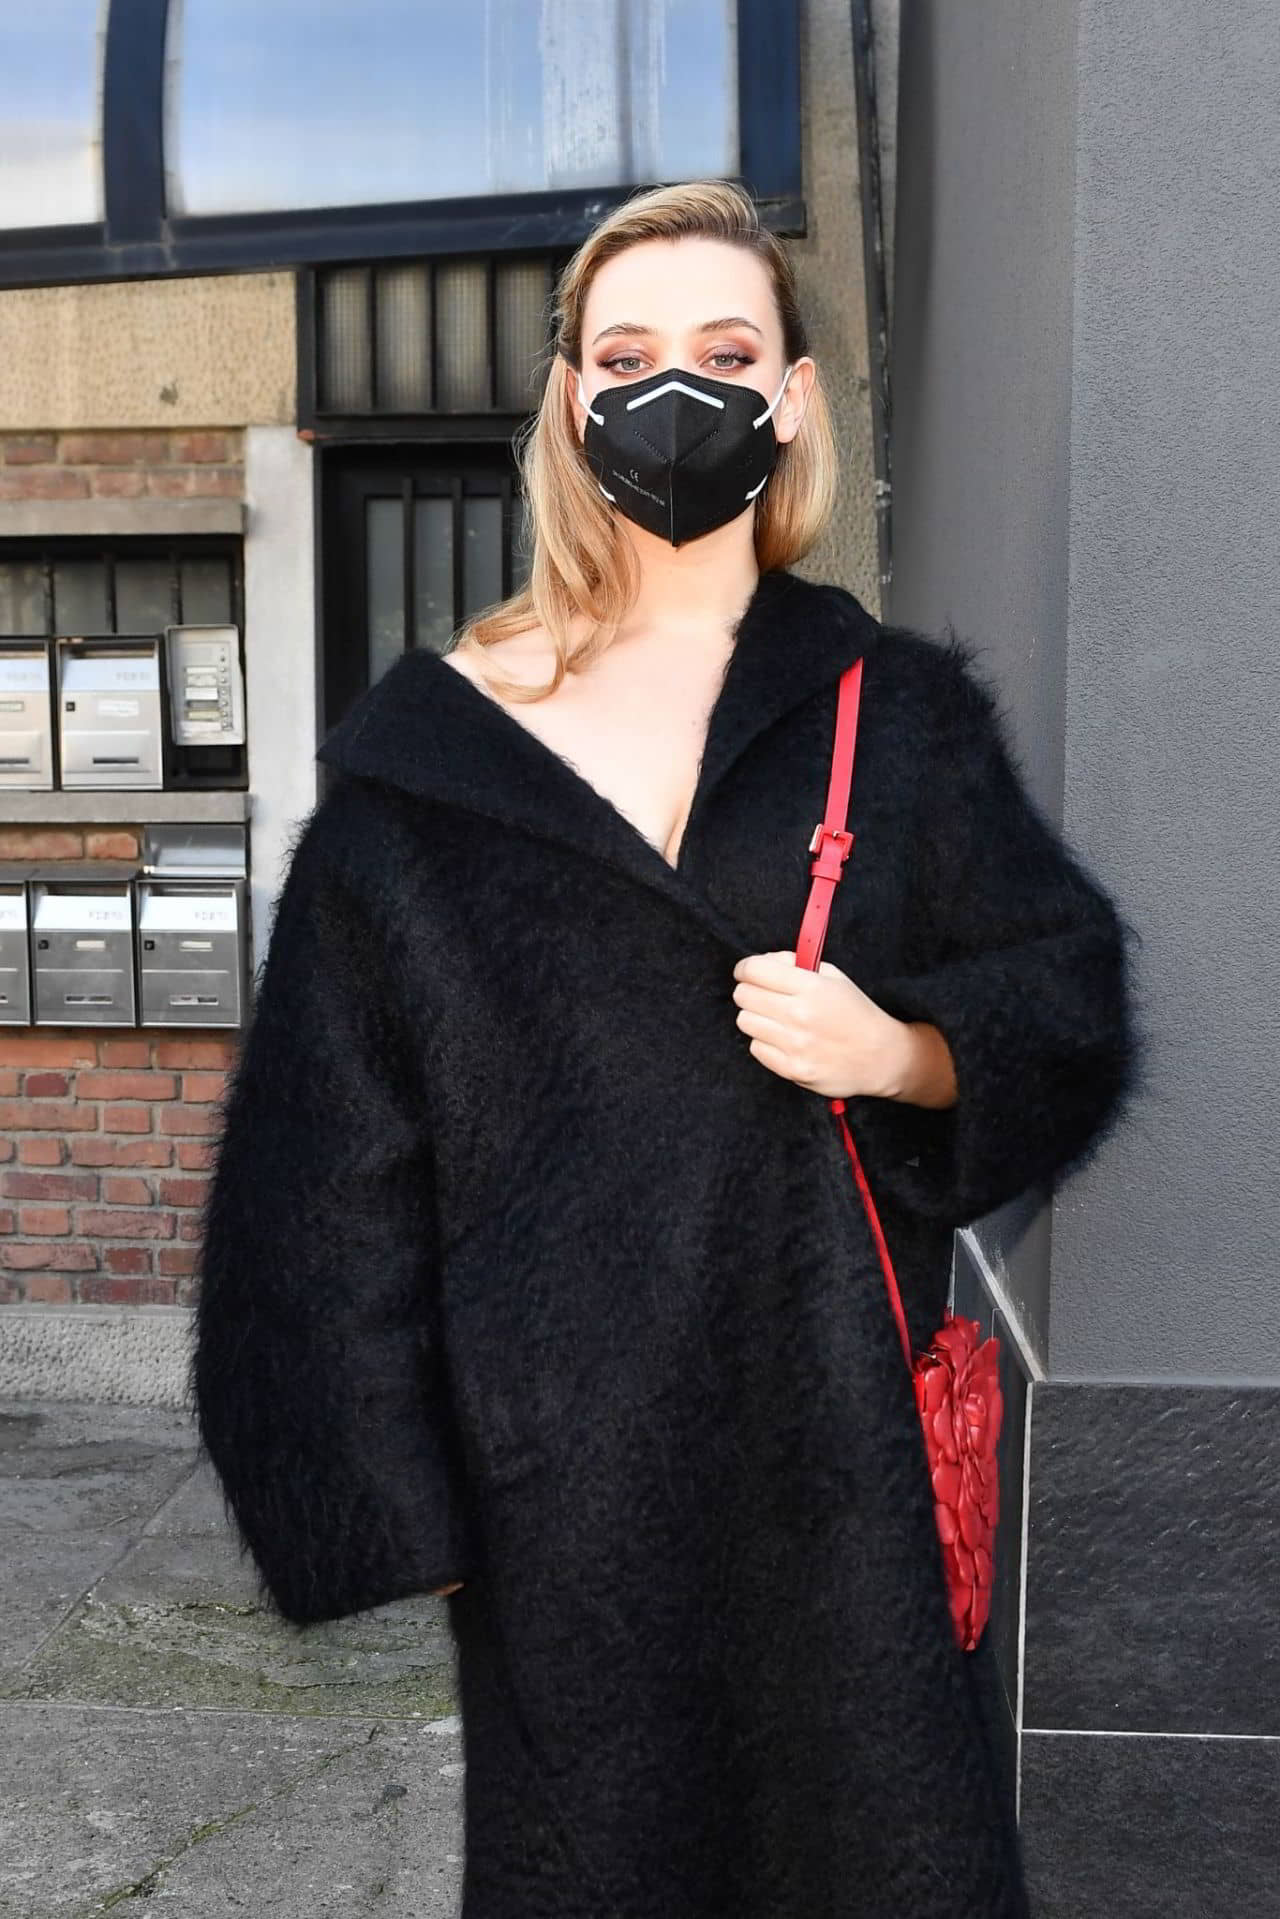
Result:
[
  {"x": 829, "y": 264},
  {"x": 216, "y": 350}
]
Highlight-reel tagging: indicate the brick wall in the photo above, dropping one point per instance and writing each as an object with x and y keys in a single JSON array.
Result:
[
  {"x": 105, "y": 1137},
  {"x": 105, "y": 1151},
  {"x": 185, "y": 463}
]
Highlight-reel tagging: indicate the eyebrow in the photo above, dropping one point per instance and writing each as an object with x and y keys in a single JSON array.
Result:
[{"x": 631, "y": 327}]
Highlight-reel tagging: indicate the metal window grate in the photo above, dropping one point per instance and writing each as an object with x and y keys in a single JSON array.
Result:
[
  {"x": 125, "y": 586},
  {"x": 439, "y": 336}
]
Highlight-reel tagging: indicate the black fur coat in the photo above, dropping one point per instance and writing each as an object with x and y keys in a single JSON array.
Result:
[{"x": 518, "y": 1267}]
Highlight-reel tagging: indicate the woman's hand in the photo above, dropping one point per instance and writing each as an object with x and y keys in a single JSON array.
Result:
[{"x": 821, "y": 1030}]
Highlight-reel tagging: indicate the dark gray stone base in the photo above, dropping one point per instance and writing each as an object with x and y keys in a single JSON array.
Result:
[
  {"x": 1151, "y": 1827},
  {"x": 1148, "y": 1741}
]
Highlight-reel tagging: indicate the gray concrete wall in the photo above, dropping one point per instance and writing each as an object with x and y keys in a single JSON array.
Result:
[
  {"x": 1087, "y": 479},
  {"x": 1169, "y": 1264},
  {"x": 981, "y": 364}
]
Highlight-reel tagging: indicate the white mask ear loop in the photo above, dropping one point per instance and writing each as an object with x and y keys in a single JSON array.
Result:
[
  {"x": 761, "y": 418},
  {"x": 584, "y": 401}
]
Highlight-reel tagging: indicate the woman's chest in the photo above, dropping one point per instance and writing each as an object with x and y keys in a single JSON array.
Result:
[
  {"x": 583, "y": 927},
  {"x": 570, "y": 995},
  {"x": 633, "y": 728},
  {"x": 748, "y": 850}
]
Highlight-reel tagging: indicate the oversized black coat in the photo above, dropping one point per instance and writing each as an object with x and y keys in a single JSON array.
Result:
[{"x": 518, "y": 1267}]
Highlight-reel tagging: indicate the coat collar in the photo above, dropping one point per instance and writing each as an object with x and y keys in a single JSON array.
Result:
[{"x": 423, "y": 728}]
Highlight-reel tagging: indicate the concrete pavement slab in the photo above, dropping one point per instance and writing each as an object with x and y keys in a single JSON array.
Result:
[
  {"x": 170, "y": 1745},
  {"x": 143, "y": 1814},
  {"x": 70, "y": 1467},
  {"x": 43, "y": 1577},
  {"x": 176, "y": 1621},
  {"x": 194, "y": 1506}
]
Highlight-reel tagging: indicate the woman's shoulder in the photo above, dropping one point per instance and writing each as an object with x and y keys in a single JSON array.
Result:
[
  {"x": 527, "y": 657},
  {"x": 347, "y": 832},
  {"x": 952, "y": 674},
  {"x": 524, "y": 659}
]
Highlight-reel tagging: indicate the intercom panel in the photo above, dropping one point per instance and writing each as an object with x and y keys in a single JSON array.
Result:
[{"x": 206, "y": 685}]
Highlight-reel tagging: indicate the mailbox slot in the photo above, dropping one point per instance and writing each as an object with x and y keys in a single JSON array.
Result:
[
  {"x": 15, "y": 955},
  {"x": 26, "y": 715},
  {"x": 109, "y": 707},
  {"x": 193, "y": 925},
  {"x": 191, "y": 952},
  {"x": 82, "y": 953}
]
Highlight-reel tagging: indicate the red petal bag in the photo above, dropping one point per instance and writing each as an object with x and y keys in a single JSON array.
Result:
[{"x": 957, "y": 1377}]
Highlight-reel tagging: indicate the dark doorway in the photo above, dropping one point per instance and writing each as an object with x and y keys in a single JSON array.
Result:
[{"x": 414, "y": 539}]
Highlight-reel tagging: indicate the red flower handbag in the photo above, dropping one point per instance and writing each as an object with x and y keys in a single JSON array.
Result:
[{"x": 957, "y": 1377}]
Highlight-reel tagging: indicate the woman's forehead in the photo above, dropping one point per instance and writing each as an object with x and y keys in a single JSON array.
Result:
[{"x": 677, "y": 286}]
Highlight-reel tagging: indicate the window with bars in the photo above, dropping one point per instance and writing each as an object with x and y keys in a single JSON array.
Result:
[
  {"x": 425, "y": 337},
  {"x": 417, "y": 374},
  {"x": 68, "y": 587},
  {"x": 416, "y": 539}
]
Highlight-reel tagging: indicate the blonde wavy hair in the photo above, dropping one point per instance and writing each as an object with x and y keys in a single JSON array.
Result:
[{"x": 582, "y": 566}]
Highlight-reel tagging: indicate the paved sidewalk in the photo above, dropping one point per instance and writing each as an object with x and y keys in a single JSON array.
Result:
[{"x": 166, "y": 1746}]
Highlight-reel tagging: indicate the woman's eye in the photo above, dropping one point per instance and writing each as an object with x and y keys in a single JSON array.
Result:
[
  {"x": 733, "y": 357},
  {"x": 622, "y": 363}
]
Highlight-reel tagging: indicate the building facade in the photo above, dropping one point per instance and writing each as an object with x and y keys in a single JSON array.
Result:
[
  {"x": 319, "y": 456},
  {"x": 273, "y": 303}
]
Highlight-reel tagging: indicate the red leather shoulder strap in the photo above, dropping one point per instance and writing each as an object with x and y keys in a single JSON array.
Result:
[{"x": 831, "y": 845}]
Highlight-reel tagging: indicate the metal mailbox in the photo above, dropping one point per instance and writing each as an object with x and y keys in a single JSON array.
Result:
[
  {"x": 192, "y": 930},
  {"x": 26, "y": 714},
  {"x": 109, "y": 709},
  {"x": 82, "y": 952},
  {"x": 15, "y": 955}
]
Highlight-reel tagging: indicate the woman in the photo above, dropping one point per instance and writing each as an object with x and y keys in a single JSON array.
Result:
[{"x": 533, "y": 1272}]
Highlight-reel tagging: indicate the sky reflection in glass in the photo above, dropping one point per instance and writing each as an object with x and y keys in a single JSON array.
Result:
[
  {"x": 50, "y": 113},
  {"x": 309, "y": 103}
]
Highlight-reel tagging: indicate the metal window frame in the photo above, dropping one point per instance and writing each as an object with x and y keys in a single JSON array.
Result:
[{"x": 140, "y": 239}]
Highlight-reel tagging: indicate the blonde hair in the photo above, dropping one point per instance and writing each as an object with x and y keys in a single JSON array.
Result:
[{"x": 581, "y": 564}]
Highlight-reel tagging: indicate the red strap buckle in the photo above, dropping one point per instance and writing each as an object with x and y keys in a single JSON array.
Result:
[{"x": 832, "y": 844}]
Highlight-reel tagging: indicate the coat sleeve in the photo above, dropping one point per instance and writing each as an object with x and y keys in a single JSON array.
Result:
[
  {"x": 317, "y": 1374},
  {"x": 1021, "y": 959}
]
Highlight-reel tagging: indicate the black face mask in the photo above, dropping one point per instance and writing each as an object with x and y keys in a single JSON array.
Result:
[{"x": 680, "y": 454}]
